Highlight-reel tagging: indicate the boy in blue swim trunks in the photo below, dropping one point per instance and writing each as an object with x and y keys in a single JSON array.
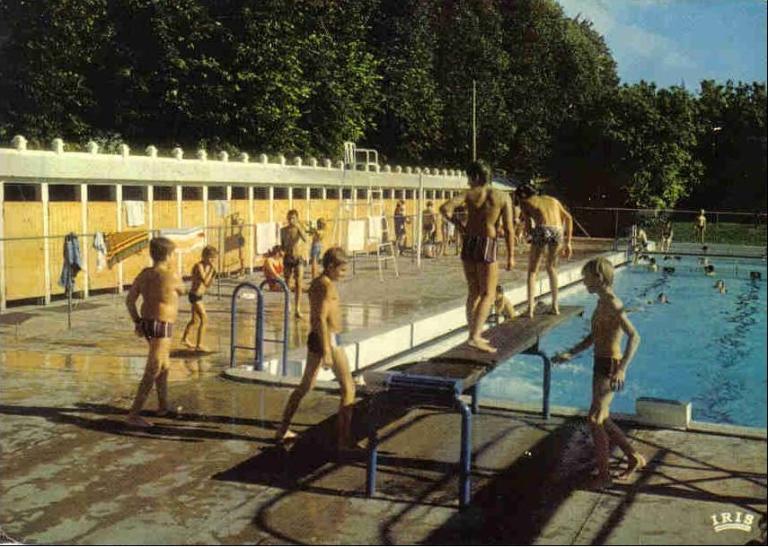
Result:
[
  {"x": 484, "y": 206},
  {"x": 318, "y": 243},
  {"x": 159, "y": 287}
]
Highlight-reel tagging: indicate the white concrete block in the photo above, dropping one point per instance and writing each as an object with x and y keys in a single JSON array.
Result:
[
  {"x": 383, "y": 345},
  {"x": 663, "y": 412},
  {"x": 425, "y": 330}
]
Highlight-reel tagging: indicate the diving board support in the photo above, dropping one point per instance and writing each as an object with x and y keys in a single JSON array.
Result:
[{"x": 547, "y": 380}]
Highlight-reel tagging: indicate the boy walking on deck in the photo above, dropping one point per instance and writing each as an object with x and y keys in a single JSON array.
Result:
[
  {"x": 323, "y": 349},
  {"x": 609, "y": 322},
  {"x": 293, "y": 239},
  {"x": 484, "y": 207},
  {"x": 203, "y": 274},
  {"x": 159, "y": 287}
]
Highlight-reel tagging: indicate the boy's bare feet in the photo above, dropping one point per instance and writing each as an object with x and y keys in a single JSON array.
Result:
[
  {"x": 298, "y": 315},
  {"x": 203, "y": 349},
  {"x": 137, "y": 421},
  {"x": 634, "y": 463},
  {"x": 482, "y": 345},
  {"x": 554, "y": 311},
  {"x": 187, "y": 343}
]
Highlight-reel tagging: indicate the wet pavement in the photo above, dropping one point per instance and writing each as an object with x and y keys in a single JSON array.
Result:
[{"x": 72, "y": 472}]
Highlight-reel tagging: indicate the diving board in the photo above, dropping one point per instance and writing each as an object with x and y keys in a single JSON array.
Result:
[{"x": 443, "y": 379}]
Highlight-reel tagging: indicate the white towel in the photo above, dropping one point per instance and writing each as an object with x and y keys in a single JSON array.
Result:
[
  {"x": 101, "y": 251},
  {"x": 266, "y": 236},
  {"x": 222, "y": 207},
  {"x": 356, "y": 235},
  {"x": 186, "y": 239},
  {"x": 374, "y": 228},
  {"x": 134, "y": 212}
]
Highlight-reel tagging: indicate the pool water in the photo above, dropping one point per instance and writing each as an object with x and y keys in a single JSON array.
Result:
[{"x": 704, "y": 347}]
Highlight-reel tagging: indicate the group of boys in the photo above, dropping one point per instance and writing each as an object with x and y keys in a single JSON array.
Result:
[{"x": 485, "y": 207}]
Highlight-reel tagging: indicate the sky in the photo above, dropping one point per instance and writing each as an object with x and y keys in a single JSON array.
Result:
[{"x": 681, "y": 41}]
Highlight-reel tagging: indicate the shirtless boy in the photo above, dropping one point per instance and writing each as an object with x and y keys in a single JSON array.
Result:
[
  {"x": 666, "y": 236},
  {"x": 549, "y": 215},
  {"x": 484, "y": 205},
  {"x": 502, "y": 306},
  {"x": 203, "y": 274},
  {"x": 700, "y": 226},
  {"x": 293, "y": 240},
  {"x": 609, "y": 322},
  {"x": 159, "y": 287},
  {"x": 319, "y": 236},
  {"x": 323, "y": 349}
]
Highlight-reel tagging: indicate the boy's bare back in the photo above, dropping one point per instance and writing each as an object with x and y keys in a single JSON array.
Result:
[
  {"x": 546, "y": 210},
  {"x": 159, "y": 288},
  {"x": 484, "y": 208}
]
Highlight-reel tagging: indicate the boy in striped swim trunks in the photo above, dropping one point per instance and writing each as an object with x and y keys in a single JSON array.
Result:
[
  {"x": 159, "y": 287},
  {"x": 484, "y": 206},
  {"x": 609, "y": 324}
]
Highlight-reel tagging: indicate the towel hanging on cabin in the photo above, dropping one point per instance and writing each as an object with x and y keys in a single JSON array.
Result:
[
  {"x": 134, "y": 212},
  {"x": 121, "y": 245},
  {"x": 73, "y": 262}
]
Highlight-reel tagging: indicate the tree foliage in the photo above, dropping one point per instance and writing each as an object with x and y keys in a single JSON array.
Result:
[{"x": 303, "y": 76}]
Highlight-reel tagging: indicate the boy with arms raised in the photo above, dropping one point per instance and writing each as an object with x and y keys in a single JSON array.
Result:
[
  {"x": 323, "y": 348},
  {"x": 203, "y": 274},
  {"x": 484, "y": 206},
  {"x": 609, "y": 323},
  {"x": 159, "y": 287}
]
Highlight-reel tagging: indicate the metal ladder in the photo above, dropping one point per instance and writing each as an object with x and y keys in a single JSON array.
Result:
[{"x": 259, "y": 339}]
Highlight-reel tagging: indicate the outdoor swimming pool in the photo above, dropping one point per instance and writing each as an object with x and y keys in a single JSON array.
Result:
[{"x": 704, "y": 347}]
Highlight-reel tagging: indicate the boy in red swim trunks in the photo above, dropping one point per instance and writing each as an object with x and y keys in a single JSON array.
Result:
[
  {"x": 484, "y": 206},
  {"x": 159, "y": 287}
]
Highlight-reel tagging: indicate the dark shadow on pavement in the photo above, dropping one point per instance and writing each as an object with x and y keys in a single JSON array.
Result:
[{"x": 172, "y": 429}]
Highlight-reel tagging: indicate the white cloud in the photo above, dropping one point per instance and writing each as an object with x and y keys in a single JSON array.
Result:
[{"x": 629, "y": 42}]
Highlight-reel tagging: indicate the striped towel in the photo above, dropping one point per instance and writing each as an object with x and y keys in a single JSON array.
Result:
[
  {"x": 186, "y": 239},
  {"x": 121, "y": 245}
]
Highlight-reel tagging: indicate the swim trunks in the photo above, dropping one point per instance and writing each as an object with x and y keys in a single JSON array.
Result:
[
  {"x": 479, "y": 249},
  {"x": 151, "y": 328},
  {"x": 316, "y": 251},
  {"x": 294, "y": 261},
  {"x": 605, "y": 366},
  {"x": 195, "y": 298},
  {"x": 543, "y": 235},
  {"x": 315, "y": 342}
]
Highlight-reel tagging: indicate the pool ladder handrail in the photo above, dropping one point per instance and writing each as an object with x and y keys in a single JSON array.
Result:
[{"x": 260, "y": 317}]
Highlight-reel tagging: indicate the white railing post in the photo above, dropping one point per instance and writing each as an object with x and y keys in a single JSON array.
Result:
[
  {"x": 46, "y": 243},
  {"x": 2, "y": 247},
  {"x": 84, "y": 247},
  {"x": 119, "y": 202}
]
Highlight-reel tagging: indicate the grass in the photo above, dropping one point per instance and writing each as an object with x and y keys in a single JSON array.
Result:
[{"x": 732, "y": 233}]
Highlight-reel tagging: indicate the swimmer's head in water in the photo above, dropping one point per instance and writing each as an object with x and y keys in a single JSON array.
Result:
[{"x": 478, "y": 173}]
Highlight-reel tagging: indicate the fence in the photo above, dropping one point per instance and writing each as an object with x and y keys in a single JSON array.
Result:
[{"x": 722, "y": 227}]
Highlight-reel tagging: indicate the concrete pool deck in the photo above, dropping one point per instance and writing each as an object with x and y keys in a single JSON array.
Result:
[{"x": 71, "y": 472}]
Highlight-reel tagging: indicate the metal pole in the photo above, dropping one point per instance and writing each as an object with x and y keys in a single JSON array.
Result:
[
  {"x": 419, "y": 220},
  {"x": 465, "y": 461},
  {"x": 474, "y": 120}
]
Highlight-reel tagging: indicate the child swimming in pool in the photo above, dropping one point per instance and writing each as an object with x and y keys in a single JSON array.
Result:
[{"x": 609, "y": 322}]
